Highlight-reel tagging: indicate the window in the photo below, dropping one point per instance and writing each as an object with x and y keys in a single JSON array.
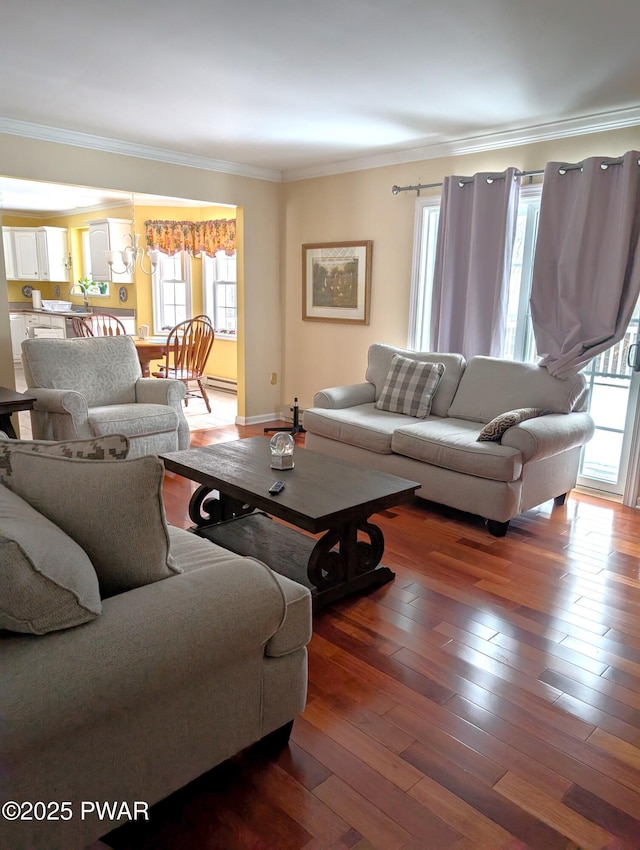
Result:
[
  {"x": 220, "y": 293},
  {"x": 424, "y": 257},
  {"x": 171, "y": 288},
  {"x": 519, "y": 342},
  {"x": 608, "y": 375}
]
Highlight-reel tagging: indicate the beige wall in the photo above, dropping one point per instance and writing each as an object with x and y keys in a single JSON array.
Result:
[
  {"x": 359, "y": 205},
  {"x": 259, "y": 338},
  {"x": 274, "y": 221}
]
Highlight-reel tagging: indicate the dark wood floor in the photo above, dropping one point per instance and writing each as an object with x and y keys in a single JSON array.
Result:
[{"x": 487, "y": 699}]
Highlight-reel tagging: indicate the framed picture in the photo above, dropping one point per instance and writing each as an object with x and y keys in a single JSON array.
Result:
[{"x": 336, "y": 282}]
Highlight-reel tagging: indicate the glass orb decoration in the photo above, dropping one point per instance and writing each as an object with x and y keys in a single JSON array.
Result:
[{"x": 282, "y": 446}]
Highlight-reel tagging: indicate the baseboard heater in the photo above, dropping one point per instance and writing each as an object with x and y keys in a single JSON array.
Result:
[{"x": 226, "y": 385}]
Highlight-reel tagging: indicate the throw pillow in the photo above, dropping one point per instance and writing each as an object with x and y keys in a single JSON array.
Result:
[
  {"x": 410, "y": 386},
  {"x": 47, "y": 582},
  {"x": 112, "y": 508},
  {"x": 493, "y": 431},
  {"x": 112, "y": 446}
]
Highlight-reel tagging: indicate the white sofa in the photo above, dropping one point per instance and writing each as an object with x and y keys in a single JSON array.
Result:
[
  {"x": 535, "y": 460},
  {"x": 128, "y": 696}
]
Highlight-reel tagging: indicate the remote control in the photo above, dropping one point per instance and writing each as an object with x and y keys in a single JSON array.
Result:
[{"x": 276, "y": 487}]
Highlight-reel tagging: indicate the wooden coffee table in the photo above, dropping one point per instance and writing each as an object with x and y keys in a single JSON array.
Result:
[
  {"x": 232, "y": 507},
  {"x": 12, "y": 402}
]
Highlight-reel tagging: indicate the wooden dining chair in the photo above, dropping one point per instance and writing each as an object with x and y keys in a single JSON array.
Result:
[
  {"x": 80, "y": 327},
  {"x": 104, "y": 324},
  {"x": 188, "y": 347}
]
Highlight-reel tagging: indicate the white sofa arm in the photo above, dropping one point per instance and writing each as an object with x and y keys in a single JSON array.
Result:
[
  {"x": 157, "y": 637},
  {"x": 60, "y": 401},
  {"x": 347, "y": 396},
  {"x": 59, "y": 415},
  {"x": 549, "y": 435},
  {"x": 164, "y": 391}
]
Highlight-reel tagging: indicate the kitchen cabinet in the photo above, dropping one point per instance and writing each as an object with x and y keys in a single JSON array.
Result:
[
  {"x": 18, "y": 333},
  {"x": 37, "y": 253},
  {"x": 7, "y": 243},
  {"x": 43, "y": 324},
  {"x": 109, "y": 234}
]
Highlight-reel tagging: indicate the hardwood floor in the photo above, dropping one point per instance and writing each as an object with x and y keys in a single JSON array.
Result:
[{"x": 487, "y": 699}]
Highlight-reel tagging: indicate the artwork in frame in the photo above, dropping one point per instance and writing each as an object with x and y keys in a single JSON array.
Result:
[{"x": 336, "y": 282}]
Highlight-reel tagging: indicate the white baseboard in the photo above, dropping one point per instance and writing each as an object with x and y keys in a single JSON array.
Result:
[
  {"x": 287, "y": 413},
  {"x": 256, "y": 420},
  {"x": 226, "y": 385}
]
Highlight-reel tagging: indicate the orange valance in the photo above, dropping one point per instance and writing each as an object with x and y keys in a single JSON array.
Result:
[{"x": 194, "y": 237}]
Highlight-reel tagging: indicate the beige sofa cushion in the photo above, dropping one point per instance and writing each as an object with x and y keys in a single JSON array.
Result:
[
  {"x": 363, "y": 425},
  {"x": 490, "y": 386},
  {"x": 453, "y": 444},
  {"x": 135, "y": 420},
  {"x": 113, "y": 447},
  {"x": 112, "y": 509},
  {"x": 379, "y": 364},
  {"x": 47, "y": 582}
]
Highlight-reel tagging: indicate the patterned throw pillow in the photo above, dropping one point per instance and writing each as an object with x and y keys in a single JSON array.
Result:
[
  {"x": 410, "y": 387},
  {"x": 110, "y": 447},
  {"x": 493, "y": 431}
]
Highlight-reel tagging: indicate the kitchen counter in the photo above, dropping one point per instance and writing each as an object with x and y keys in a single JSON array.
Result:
[
  {"x": 43, "y": 312},
  {"x": 23, "y": 307},
  {"x": 27, "y": 322}
]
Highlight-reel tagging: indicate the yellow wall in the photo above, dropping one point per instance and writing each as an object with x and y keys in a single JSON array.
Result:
[
  {"x": 359, "y": 205},
  {"x": 223, "y": 361}
]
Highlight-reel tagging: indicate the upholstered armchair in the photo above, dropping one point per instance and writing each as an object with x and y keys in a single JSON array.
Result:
[{"x": 94, "y": 386}]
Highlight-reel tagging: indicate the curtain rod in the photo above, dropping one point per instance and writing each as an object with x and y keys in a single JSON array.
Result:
[{"x": 578, "y": 166}]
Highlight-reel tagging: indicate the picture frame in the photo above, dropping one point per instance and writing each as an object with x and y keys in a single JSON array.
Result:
[{"x": 336, "y": 282}]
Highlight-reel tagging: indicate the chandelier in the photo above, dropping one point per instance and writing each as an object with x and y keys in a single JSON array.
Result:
[{"x": 130, "y": 254}]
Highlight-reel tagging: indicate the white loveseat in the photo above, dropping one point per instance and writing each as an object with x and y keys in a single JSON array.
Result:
[{"x": 534, "y": 461}]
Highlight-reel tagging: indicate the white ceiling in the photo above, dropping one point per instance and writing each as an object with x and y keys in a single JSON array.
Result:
[{"x": 291, "y": 88}]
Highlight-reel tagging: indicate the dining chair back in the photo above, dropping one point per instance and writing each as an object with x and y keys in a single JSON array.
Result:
[
  {"x": 188, "y": 347},
  {"x": 80, "y": 327},
  {"x": 98, "y": 324}
]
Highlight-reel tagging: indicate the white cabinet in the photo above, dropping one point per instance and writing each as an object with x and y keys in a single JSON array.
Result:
[
  {"x": 25, "y": 254},
  {"x": 37, "y": 253},
  {"x": 18, "y": 333},
  {"x": 41, "y": 324},
  {"x": 109, "y": 234},
  {"x": 9, "y": 265}
]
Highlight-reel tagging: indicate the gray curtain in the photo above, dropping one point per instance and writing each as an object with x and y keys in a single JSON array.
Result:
[
  {"x": 472, "y": 264},
  {"x": 586, "y": 273}
]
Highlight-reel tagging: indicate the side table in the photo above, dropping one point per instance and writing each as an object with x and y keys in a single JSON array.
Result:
[{"x": 12, "y": 402}]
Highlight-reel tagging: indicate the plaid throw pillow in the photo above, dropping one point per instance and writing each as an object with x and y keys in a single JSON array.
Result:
[
  {"x": 410, "y": 387},
  {"x": 493, "y": 431}
]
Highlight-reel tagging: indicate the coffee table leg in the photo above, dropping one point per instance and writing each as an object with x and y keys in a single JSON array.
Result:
[
  {"x": 205, "y": 508},
  {"x": 355, "y": 564}
]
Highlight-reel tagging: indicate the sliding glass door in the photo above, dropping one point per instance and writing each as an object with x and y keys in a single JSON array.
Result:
[{"x": 610, "y": 461}]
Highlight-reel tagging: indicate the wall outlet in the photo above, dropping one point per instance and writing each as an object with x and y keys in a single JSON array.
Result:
[{"x": 274, "y": 378}]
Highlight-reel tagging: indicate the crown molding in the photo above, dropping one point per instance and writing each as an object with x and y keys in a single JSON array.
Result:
[
  {"x": 48, "y": 215},
  {"x": 100, "y": 143},
  {"x": 595, "y": 123}
]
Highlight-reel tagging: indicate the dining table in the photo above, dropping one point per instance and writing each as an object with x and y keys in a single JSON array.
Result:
[{"x": 149, "y": 349}]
